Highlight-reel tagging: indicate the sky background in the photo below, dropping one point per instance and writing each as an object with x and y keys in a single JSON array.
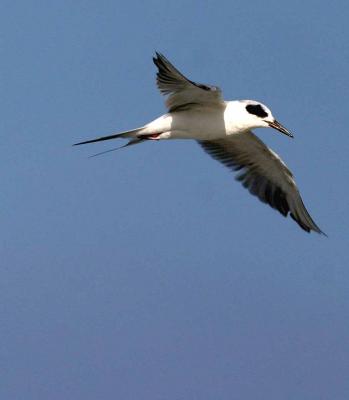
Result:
[{"x": 149, "y": 273}]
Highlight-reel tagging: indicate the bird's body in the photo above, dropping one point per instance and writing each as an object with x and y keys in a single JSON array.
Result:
[
  {"x": 204, "y": 124},
  {"x": 223, "y": 129},
  {"x": 199, "y": 123}
]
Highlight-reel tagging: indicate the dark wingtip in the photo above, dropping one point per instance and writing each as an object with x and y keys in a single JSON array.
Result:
[
  {"x": 318, "y": 230},
  {"x": 157, "y": 60},
  {"x": 157, "y": 56},
  {"x": 160, "y": 59}
]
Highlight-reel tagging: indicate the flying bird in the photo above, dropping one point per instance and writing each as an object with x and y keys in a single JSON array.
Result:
[{"x": 223, "y": 129}]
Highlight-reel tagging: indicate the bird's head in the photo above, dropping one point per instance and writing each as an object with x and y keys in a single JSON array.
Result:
[{"x": 257, "y": 115}]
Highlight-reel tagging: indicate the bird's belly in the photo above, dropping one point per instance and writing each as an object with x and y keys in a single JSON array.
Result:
[{"x": 198, "y": 125}]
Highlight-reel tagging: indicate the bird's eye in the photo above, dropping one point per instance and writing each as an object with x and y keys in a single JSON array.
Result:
[{"x": 256, "y": 109}]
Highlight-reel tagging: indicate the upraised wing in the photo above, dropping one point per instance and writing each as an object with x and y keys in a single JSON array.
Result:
[
  {"x": 263, "y": 173},
  {"x": 182, "y": 92}
]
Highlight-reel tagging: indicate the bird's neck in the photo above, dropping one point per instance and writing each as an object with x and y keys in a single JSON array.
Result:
[{"x": 235, "y": 118}]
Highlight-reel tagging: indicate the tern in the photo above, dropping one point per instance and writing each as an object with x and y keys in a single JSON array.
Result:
[{"x": 223, "y": 129}]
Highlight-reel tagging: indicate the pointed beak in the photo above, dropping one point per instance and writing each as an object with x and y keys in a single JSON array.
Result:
[{"x": 276, "y": 125}]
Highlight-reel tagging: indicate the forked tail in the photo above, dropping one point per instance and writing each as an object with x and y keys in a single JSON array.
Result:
[{"x": 127, "y": 134}]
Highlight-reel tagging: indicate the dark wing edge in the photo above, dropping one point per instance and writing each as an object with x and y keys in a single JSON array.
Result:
[
  {"x": 260, "y": 185},
  {"x": 168, "y": 75},
  {"x": 170, "y": 81}
]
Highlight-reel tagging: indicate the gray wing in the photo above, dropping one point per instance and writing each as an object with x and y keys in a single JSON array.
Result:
[
  {"x": 263, "y": 173},
  {"x": 182, "y": 92}
]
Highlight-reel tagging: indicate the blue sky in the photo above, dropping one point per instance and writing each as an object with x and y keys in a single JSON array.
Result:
[{"x": 150, "y": 273}]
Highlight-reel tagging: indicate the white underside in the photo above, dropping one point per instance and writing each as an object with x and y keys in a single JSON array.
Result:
[{"x": 204, "y": 123}]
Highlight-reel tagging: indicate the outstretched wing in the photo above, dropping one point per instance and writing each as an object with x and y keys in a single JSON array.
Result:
[
  {"x": 182, "y": 92},
  {"x": 263, "y": 173}
]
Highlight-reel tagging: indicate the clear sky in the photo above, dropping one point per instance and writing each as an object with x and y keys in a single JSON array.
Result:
[{"x": 149, "y": 273}]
